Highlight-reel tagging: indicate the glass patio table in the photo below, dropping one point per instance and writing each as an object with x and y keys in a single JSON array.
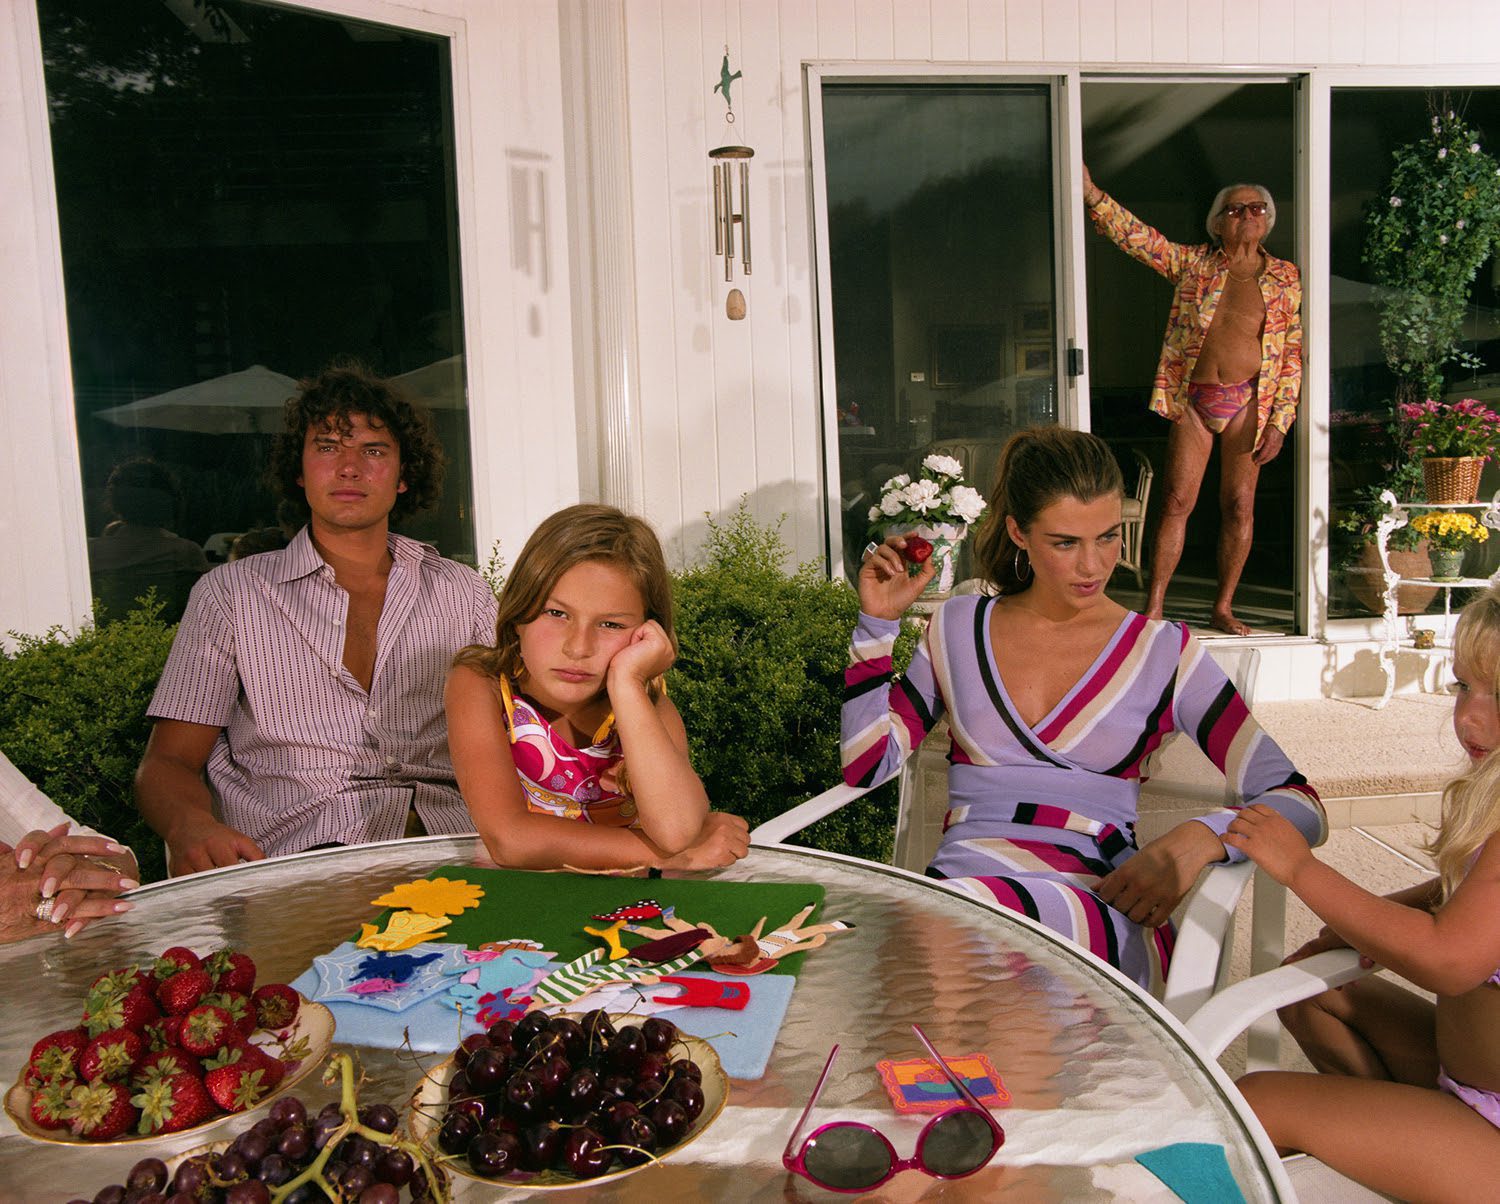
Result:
[{"x": 1096, "y": 1071}]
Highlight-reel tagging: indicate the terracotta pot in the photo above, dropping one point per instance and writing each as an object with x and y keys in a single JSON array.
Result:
[{"x": 1366, "y": 580}]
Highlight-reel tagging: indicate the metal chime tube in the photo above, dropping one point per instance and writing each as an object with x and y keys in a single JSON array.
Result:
[
  {"x": 718, "y": 211},
  {"x": 727, "y": 169},
  {"x": 745, "y": 215}
]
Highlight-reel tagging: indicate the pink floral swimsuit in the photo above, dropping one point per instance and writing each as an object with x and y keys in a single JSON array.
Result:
[{"x": 559, "y": 779}]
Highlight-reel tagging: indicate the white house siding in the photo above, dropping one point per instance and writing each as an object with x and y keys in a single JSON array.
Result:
[
  {"x": 724, "y": 408},
  {"x": 732, "y": 408}
]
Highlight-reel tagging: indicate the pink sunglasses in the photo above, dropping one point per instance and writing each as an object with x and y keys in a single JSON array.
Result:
[{"x": 848, "y": 1156}]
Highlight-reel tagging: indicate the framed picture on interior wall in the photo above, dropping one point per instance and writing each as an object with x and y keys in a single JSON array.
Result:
[
  {"x": 965, "y": 356},
  {"x": 1033, "y": 321},
  {"x": 1033, "y": 359}
]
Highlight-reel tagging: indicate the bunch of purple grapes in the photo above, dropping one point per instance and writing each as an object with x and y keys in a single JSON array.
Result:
[
  {"x": 569, "y": 1095},
  {"x": 274, "y": 1151}
]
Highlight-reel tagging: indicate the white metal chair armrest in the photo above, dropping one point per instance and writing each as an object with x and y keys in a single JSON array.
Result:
[
  {"x": 1200, "y": 959},
  {"x": 1231, "y": 1011},
  {"x": 789, "y": 823}
]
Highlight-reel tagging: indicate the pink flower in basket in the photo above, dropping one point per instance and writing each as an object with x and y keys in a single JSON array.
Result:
[{"x": 1457, "y": 429}]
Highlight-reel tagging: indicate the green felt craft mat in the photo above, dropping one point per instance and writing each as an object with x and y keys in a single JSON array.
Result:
[{"x": 554, "y": 908}]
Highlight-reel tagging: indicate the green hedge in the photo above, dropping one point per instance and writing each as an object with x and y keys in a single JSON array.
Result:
[
  {"x": 73, "y": 719},
  {"x": 758, "y": 681}
]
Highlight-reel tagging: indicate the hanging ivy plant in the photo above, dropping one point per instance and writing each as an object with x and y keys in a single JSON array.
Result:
[{"x": 1425, "y": 239}]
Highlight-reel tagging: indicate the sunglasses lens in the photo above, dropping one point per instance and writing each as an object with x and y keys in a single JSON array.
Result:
[
  {"x": 847, "y": 1157},
  {"x": 957, "y": 1144}
]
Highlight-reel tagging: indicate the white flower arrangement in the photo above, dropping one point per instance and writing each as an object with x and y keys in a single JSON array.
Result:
[{"x": 934, "y": 499}]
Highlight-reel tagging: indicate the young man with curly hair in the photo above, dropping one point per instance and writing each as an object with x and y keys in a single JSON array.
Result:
[{"x": 302, "y": 703}]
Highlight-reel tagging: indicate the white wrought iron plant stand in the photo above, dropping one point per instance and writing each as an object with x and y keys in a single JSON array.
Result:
[{"x": 1397, "y": 515}]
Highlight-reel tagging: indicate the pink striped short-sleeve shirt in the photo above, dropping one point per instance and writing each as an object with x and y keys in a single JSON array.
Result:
[{"x": 307, "y": 757}]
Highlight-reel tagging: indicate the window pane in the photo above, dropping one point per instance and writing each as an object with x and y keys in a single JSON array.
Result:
[
  {"x": 1163, "y": 149},
  {"x": 941, "y": 251},
  {"x": 245, "y": 192},
  {"x": 1368, "y": 124}
]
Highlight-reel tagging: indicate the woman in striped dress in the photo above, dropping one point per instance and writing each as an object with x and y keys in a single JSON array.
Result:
[{"x": 1056, "y": 696}]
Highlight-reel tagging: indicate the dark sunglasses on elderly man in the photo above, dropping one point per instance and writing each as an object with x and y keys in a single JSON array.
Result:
[
  {"x": 1253, "y": 209},
  {"x": 848, "y": 1156}
]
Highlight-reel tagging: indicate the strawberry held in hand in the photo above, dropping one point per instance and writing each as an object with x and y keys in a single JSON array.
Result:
[{"x": 917, "y": 550}]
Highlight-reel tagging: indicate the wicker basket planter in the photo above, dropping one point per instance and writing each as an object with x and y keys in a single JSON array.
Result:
[{"x": 1452, "y": 480}]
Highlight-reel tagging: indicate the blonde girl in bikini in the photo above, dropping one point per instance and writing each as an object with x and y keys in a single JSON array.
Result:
[
  {"x": 542, "y": 725},
  {"x": 1408, "y": 1101}
]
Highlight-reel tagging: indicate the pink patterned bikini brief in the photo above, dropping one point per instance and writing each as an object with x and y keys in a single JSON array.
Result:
[
  {"x": 1217, "y": 404},
  {"x": 1486, "y": 1103}
]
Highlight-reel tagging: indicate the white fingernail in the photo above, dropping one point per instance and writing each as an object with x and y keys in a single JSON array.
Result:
[
  {"x": 123, "y": 906},
  {"x": 72, "y": 930},
  {"x": 23, "y": 858},
  {"x": 112, "y": 847},
  {"x": 128, "y": 884},
  {"x": 49, "y": 888},
  {"x": 59, "y": 913}
]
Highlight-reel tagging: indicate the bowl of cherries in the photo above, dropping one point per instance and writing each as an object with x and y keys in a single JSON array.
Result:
[{"x": 548, "y": 1102}]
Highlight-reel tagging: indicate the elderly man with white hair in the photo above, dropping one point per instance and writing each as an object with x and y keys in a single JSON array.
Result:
[{"x": 1234, "y": 337}]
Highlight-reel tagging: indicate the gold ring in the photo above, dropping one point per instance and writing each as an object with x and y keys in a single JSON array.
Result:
[{"x": 43, "y": 910}]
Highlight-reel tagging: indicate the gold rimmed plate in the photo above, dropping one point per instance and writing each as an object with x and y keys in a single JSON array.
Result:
[
  {"x": 302, "y": 1045},
  {"x": 430, "y": 1102}
]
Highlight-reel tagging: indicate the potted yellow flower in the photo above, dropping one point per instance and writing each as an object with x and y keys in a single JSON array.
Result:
[{"x": 1448, "y": 534}]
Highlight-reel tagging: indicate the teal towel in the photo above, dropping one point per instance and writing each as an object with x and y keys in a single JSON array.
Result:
[{"x": 1197, "y": 1171}]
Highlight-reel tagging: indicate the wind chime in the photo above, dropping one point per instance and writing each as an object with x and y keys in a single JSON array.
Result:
[{"x": 726, "y": 217}]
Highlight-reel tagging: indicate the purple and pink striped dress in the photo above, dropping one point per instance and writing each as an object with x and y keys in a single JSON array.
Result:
[{"x": 1037, "y": 814}]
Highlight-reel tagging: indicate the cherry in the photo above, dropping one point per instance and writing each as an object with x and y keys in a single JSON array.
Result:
[
  {"x": 647, "y": 1089},
  {"x": 575, "y": 1041},
  {"x": 584, "y": 1154},
  {"x": 618, "y": 1113},
  {"x": 659, "y": 1034},
  {"x": 627, "y": 1049},
  {"x": 500, "y": 1032},
  {"x": 553, "y": 1075},
  {"x": 467, "y": 1046},
  {"x": 582, "y": 1091},
  {"x": 541, "y": 1146},
  {"x": 495, "y": 1154},
  {"x": 527, "y": 1027},
  {"x": 457, "y": 1131},
  {"x": 486, "y": 1070},
  {"x": 615, "y": 1086},
  {"x": 686, "y": 1068},
  {"x": 476, "y": 1106},
  {"x": 690, "y": 1095},
  {"x": 671, "y": 1121},
  {"x": 523, "y": 1097},
  {"x": 651, "y": 1066},
  {"x": 638, "y": 1133}
]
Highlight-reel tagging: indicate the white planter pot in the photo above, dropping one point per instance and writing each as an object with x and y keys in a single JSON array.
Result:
[{"x": 944, "y": 538}]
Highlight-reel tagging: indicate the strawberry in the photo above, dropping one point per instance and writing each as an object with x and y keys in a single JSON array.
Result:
[
  {"x": 49, "y": 1105},
  {"x": 175, "y": 959},
  {"x": 122, "y": 979},
  {"x": 255, "y": 1057},
  {"x": 232, "y": 970},
  {"x": 110, "y": 1055},
  {"x": 917, "y": 549},
  {"x": 276, "y": 1005},
  {"x": 206, "y": 1030},
  {"x": 180, "y": 993},
  {"x": 174, "y": 1103},
  {"x": 132, "y": 1009},
  {"x": 238, "y": 1086},
  {"x": 101, "y": 1111},
  {"x": 163, "y": 1064},
  {"x": 55, "y": 1056},
  {"x": 239, "y": 1007}
]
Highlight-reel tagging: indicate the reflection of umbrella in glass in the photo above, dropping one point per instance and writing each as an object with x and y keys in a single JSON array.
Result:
[
  {"x": 438, "y": 385},
  {"x": 241, "y": 403}
]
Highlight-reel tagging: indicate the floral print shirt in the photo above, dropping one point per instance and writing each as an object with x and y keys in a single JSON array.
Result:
[{"x": 1200, "y": 273}]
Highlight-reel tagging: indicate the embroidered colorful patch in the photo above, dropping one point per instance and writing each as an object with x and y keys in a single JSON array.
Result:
[
  {"x": 917, "y": 1085},
  {"x": 402, "y": 931},
  {"x": 432, "y": 896},
  {"x": 350, "y": 974}
]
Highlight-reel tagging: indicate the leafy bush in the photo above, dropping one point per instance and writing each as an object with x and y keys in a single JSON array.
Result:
[
  {"x": 73, "y": 719},
  {"x": 759, "y": 682}
]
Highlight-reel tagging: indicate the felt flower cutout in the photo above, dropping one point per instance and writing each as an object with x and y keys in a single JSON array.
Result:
[{"x": 432, "y": 896}]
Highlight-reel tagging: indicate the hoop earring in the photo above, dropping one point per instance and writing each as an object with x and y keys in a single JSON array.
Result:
[{"x": 1020, "y": 576}]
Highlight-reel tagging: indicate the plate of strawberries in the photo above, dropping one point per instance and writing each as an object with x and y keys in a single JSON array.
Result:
[{"x": 177, "y": 1044}]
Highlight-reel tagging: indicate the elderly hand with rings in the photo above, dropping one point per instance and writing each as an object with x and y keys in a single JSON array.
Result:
[{"x": 52, "y": 881}]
